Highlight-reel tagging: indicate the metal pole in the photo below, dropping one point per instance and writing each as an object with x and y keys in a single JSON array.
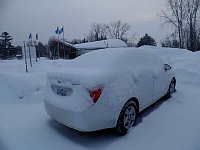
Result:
[
  {"x": 36, "y": 46},
  {"x": 64, "y": 51},
  {"x": 25, "y": 57},
  {"x": 30, "y": 55},
  {"x": 58, "y": 47},
  {"x": 63, "y": 42},
  {"x": 35, "y": 54},
  {"x": 63, "y": 32}
]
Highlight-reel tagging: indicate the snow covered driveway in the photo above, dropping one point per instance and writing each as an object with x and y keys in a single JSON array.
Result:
[{"x": 168, "y": 125}]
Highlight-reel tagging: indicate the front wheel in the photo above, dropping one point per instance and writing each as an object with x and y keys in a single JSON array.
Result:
[
  {"x": 127, "y": 118},
  {"x": 171, "y": 89}
]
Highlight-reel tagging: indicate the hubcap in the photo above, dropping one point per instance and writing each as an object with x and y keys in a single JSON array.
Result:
[{"x": 129, "y": 117}]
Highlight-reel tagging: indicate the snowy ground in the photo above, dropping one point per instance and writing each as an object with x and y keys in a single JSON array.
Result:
[{"x": 168, "y": 125}]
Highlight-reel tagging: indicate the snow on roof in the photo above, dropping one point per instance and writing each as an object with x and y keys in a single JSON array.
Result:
[
  {"x": 110, "y": 43},
  {"x": 61, "y": 41}
]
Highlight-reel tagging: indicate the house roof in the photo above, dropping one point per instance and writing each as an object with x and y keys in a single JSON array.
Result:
[
  {"x": 53, "y": 39},
  {"x": 110, "y": 43}
]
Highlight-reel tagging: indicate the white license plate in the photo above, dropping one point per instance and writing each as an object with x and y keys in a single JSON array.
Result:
[{"x": 64, "y": 91}]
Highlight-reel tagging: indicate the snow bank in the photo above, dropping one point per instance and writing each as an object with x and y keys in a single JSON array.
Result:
[
  {"x": 13, "y": 77},
  {"x": 174, "y": 125},
  {"x": 22, "y": 85}
]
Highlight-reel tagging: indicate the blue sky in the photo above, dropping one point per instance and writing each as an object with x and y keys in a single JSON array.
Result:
[{"x": 20, "y": 17}]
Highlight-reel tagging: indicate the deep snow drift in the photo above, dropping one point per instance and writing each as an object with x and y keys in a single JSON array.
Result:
[{"x": 171, "y": 125}]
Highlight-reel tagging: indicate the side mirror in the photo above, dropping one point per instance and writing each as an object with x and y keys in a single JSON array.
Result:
[{"x": 167, "y": 67}]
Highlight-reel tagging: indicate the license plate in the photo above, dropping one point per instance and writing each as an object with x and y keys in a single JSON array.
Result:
[{"x": 64, "y": 91}]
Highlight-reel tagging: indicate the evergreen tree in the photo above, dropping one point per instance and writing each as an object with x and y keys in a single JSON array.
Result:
[
  {"x": 6, "y": 40},
  {"x": 146, "y": 40},
  {"x": 1, "y": 44},
  {"x": 6, "y": 48}
]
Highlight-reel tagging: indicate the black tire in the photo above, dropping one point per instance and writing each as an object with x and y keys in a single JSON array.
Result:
[
  {"x": 171, "y": 89},
  {"x": 127, "y": 118}
]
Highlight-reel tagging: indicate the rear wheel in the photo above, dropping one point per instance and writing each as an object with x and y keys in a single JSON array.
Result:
[{"x": 127, "y": 118}]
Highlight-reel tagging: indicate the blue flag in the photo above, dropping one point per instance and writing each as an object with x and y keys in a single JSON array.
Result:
[
  {"x": 61, "y": 30},
  {"x": 30, "y": 36},
  {"x": 36, "y": 36},
  {"x": 57, "y": 31}
]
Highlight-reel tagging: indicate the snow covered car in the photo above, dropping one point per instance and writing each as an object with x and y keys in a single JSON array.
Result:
[{"x": 107, "y": 88}]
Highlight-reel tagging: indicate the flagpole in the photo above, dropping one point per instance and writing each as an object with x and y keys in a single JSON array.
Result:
[
  {"x": 30, "y": 44},
  {"x": 63, "y": 33},
  {"x": 35, "y": 44},
  {"x": 29, "y": 47},
  {"x": 58, "y": 46},
  {"x": 25, "y": 57},
  {"x": 63, "y": 41},
  {"x": 31, "y": 41}
]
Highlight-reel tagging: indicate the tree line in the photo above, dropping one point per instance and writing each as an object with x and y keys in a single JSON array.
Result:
[
  {"x": 183, "y": 16},
  {"x": 114, "y": 30}
]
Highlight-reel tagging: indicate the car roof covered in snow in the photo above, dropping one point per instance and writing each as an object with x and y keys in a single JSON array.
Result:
[
  {"x": 119, "y": 57},
  {"x": 109, "y": 63}
]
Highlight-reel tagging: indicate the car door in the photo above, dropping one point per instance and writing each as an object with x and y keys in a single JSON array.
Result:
[
  {"x": 161, "y": 83},
  {"x": 145, "y": 89}
]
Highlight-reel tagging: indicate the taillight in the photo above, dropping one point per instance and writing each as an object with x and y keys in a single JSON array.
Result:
[{"x": 95, "y": 94}]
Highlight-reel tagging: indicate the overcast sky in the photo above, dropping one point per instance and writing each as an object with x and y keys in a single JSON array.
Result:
[{"x": 20, "y": 17}]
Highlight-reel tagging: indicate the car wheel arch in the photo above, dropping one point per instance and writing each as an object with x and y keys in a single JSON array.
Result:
[
  {"x": 135, "y": 101},
  {"x": 120, "y": 127}
]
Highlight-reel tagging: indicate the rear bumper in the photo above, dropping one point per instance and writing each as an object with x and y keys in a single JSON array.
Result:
[{"x": 95, "y": 118}]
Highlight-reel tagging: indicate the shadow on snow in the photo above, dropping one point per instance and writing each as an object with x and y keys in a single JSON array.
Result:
[{"x": 102, "y": 138}]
